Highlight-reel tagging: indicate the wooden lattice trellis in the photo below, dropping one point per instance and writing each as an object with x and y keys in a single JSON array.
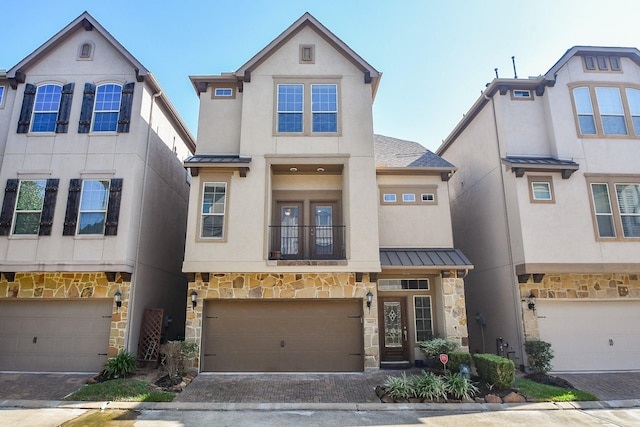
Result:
[{"x": 150, "y": 332}]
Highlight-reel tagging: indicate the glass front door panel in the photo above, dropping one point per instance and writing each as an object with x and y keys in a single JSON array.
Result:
[
  {"x": 392, "y": 324},
  {"x": 289, "y": 233},
  {"x": 324, "y": 230}
]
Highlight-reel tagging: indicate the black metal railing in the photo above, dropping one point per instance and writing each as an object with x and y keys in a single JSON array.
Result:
[{"x": 313, "y": 242}]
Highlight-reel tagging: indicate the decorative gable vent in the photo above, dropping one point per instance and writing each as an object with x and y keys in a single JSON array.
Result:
[
  {"x": 85, "y": 51},
  {"x": 307, "y": 54}
]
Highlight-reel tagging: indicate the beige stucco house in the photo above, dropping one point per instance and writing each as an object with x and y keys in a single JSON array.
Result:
[
  {"x": 546, "y": 202},
  {"x": 297, "y": 257},
  {"x": 94, "y": 204}
]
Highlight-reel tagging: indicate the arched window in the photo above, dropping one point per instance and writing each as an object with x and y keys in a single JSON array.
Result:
[{"x": 45, "y": 108}]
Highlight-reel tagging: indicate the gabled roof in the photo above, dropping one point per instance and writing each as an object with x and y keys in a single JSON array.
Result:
[
  {"x": 87, "y": 23},
  {"x": 18, "y": 73},
  {"x": 370, "y": 74},
  {"x": 628, "y": 52},
  {"x": 399, "y": 156},
  {"x": 536, "y": 84}
]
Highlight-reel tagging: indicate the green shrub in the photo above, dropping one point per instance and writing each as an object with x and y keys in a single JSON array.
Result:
[
  {"x": 495, "y": 370},
  {"x": 456, "y": 358},
  {"x": 120, "y": 366},
  {"x": 459, "y": 387},
  {"x": 400, "y": 387},
  {"x": 429, "y": 386},
  {"x": 437, "y": 346},
  {"x": 175, "y": 355},
  {"x": 539, "y": 355}
]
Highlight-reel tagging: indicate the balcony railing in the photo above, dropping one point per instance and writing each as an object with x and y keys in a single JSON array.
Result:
[{"x": 313, "y": 242}]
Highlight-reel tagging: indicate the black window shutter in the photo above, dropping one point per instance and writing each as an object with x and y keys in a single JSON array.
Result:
[
  {"x": 62, "y": 124},
  {"x": 27, "y": 108},
  {"x": 49, "y": 206},
  {"x": 113, "y": 210},
  {"x": 9, "y": 204},
  {"x": 73, "y": 203},
  {"x": 87, "y": 108},
  {"x": 124, "y": 118}
]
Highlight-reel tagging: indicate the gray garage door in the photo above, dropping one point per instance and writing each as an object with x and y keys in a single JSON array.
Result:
[
  {"x": 54, "y": 335},
  {"x": 283, "y": 336}
]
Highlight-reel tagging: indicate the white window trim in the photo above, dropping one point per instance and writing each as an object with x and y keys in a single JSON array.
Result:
[
  {"x": 323, "y": 112},
  {"x": 16, "y": 212},
  {"x": 415, "y": 317},
  {"x": 81, "y": 211},
  {"x": 391, "y": 199},
  {"x": 408, "y": 197},
  {"x": 428, "y": 197},
  {"x": 223, "y": 92},
  {"x": 521, "y": 94},
  {"x": 3, "y": 95},
  {"x": 95, "y": 111},
  {"x": 34, "y": 112},
  {"x": 202, "y": 215}
]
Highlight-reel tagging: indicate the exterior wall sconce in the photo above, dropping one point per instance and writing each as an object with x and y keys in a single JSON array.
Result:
[
  {"x": 532, "y": 301},
  {"x": 194, "y": 299},
  {"x": 369, "y": 296},
  {"x": 118, "y": 298}
]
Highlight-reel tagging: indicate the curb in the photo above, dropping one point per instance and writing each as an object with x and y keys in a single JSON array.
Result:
[{"x": 356, "y": 407}]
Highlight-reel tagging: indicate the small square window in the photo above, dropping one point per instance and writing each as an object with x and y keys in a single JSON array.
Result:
[
  {"x": 409, "y": 198},
  {"x": 541, "y": 189},
  {"x": 428, "y": 197},
  {"x": 389, "y": 198},
  {"x": 224, "y": 92}
]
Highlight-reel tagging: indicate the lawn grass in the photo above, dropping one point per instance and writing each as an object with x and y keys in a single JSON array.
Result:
[
  {"x": 548, "y": 393},
  {"x": 121, "y": 390}
]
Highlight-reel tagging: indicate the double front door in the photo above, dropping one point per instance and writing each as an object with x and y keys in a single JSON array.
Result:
[
  {"x": 394, "y": 340},
  {"x": 311, "y": 234}
]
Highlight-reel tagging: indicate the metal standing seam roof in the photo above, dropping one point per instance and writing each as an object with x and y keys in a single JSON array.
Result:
[
  {"x": 539, "y": 161},
  {"x": 424, "y": 258},
  {"x": 217, "y": 159}
]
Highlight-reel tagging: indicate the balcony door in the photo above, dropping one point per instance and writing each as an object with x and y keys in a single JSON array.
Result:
[
  {"x": 322, "y": 239},
  {"x": 291, "y": 237}
]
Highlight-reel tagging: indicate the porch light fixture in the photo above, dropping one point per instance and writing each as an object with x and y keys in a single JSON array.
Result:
[
  {"x": 194, "y": 301},
  {"x": 369, "y": 296},
  {"x": 118, "y": 298},
  {"x": 532, "y": 301}
]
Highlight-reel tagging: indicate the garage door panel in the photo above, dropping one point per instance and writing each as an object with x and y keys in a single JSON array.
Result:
[
  {"x": 591, "y": 335},
  {"x": 54, "y": 335},
  {"x": 283, "y": 336}
]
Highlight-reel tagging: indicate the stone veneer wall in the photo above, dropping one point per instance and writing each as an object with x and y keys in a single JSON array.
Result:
[
  {"x": 455, "y": 312},
  {"x": 610, "y": 286},
  {"x": 66, "y": 285},
  {"x": 285, "y": 286}
]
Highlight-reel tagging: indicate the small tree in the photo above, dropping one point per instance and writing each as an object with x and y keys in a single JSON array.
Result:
[
  {"x": 539, "y": 355},
  {"x": 176, "y": 354},
  {"x": 437, "y": 346}
]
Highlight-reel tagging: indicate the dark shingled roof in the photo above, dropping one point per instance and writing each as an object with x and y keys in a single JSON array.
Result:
[
  {"x": 445, "y": 258},
  {"x": 398, "y": 153}
]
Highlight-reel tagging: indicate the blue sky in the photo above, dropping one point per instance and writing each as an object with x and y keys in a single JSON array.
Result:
[{"x": 436, "y": 56}]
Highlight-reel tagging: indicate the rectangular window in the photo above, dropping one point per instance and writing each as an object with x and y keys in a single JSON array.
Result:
[
  {"x": 522, "y": 94},
  {"x": 324, "y": 107},
  {"x": 602, "y": 207},
  {"x": 584, "y": 109},
  {"x": 290, "y": 107},
  {"x": 541, "y": 190},
  {"x": 389, "y": 198},
  {"x": 403, "y": 284},
  {"x": 29, "y": 207},
  {"x": 94, "y": 200},
  {"x": 633, "y": 99},
  {"x": 213, "y": 209},
  {"x": 629, "y": 206},
  {"x": 1, "y": 96},
  {"x": 107, "y": 108},
  {"x": 45, "y": 108},
  {"x": 409, "y": 198},
  {"x": 422, "y": 316},
  {"x": 225, "y": 92},
  {"x": 428, "y": 197},
  {"x": 602, "y": 63},
  {"x": 615, "y": 63},
  {"x": 589, "y": 62},
  {"x": 611, "y": 111}
]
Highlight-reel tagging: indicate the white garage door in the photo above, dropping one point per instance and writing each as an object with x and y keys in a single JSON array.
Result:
[
  {"x": 591, "y": 336},
  {"x": 54, "y": 335}
]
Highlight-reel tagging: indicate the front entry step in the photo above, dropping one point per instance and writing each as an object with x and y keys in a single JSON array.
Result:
[{"x": 399, "y": 364}]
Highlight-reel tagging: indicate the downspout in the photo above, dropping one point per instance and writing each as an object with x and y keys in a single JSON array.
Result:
[
  {"x": 514, "y": 287},
  {"x": 136, "y": 262}
]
